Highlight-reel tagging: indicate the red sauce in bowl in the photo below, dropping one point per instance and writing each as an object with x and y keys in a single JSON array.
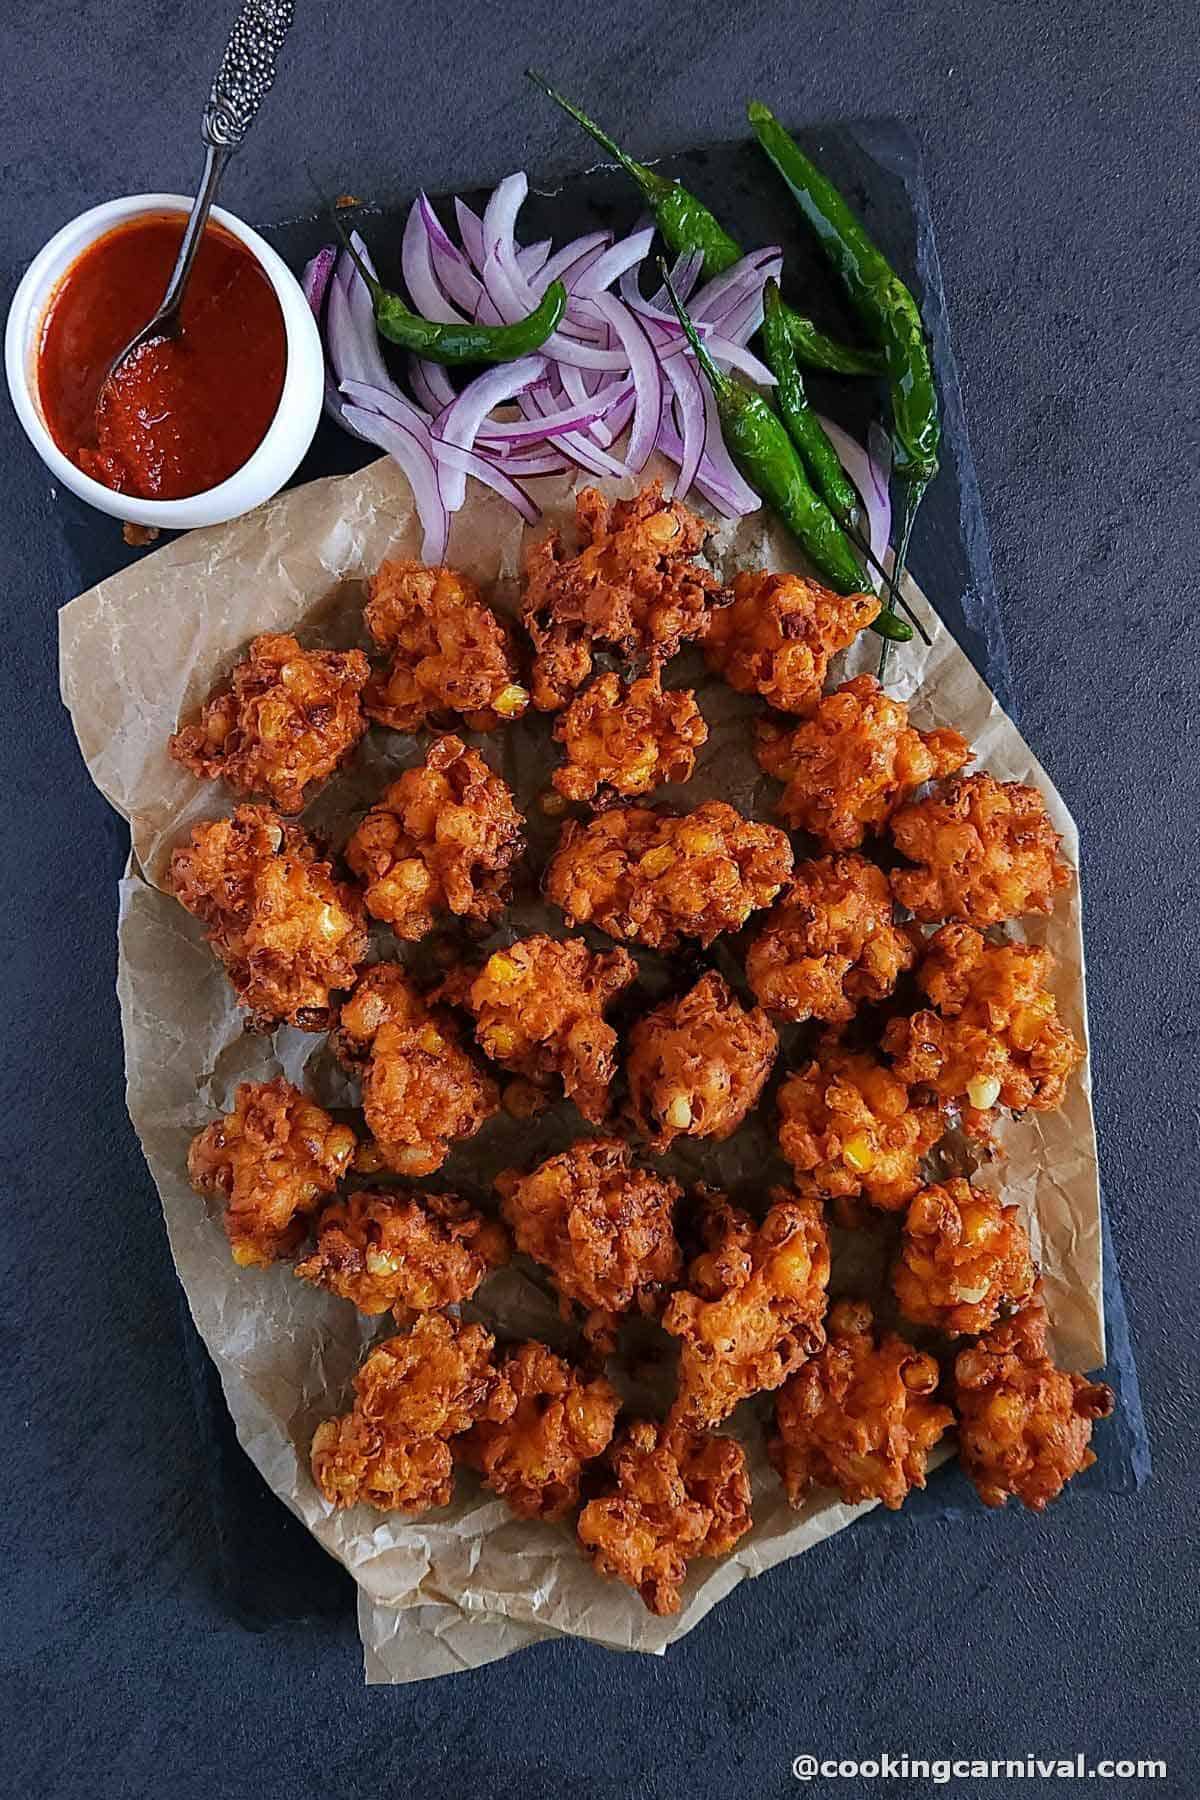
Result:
[{"x": 185, "y": 413}]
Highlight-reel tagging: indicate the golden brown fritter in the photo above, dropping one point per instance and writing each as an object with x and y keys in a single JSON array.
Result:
[
  {"x": 830, "y": 943},
  {"x": 631, "y": 588},
  {"x": 602, "y": 1226},
  {"x": 286, "y": 718},
  {"x": 995, "y": 1038},
  {"x": 443, "y": 838},
  {"x": 450, "y": 655},
  {"x": 560, "y": 1421},
  {"x": 653, "y": 878},
  {"x": 412, "y": 1394},
  {"x": 414, "y": 1252},
  {"x": 420, "y": 1089},
  {"x": 288, "y": 933},
  {"x": 1024, "y": 1427},
  {"x": 678, "y": 1494},
  {"x": 859, "y": 1417},
  {"x": 752, "y": 1309},
  {"x": 624, "y": 738},
  {"x": 963, "y": 1259},
  {"x": 986, "y": 852},
  {"x": 539, "y": 1010},
  {"x": 848, "y": 1125},
  {"x": 853, "y": 762},
  {"x": 778, "y": 636},
  {"x": 272, "y": 1160},
  {"x": 697, "y": 1065}
]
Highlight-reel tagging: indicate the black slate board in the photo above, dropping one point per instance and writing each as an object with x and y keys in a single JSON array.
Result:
[{"x": 271, "y": 1568}]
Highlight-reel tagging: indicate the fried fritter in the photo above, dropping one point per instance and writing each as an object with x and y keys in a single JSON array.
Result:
[
  {"x": 561, "y": 1420},
  {"x": 778, "y": 636},
  {"x": 1024, "y": 1426},
  {"x": 420, "y": 1089},
  {"x": 697, "y": 1065},
  {"x": 412, "y": 1394},
  {"x": 442, "y": 838},
  {"x": 603, "y": 1227},
  {"x": 623, "y": 738},
  {"x": 995, "y": 1038},
  {"x": 963, "y": 1259},
  {"x": 539, "y": 1010},
  {"x": 848, "y": 1125},
  {"x": 678, "y": 1494},
  {"x": 286, "y": 718},
  {"x": 830, "y": 943},
  {"x": 272, "y": 1160},
  {"x": 986, "y": 849},
  {"x": 287, "y": 932},
  {"x": 859, "y": 1417},
  {"x": 450, "y": 653},
  {"x": 652, "y": 878},
  {"x": 752, "y": 1309},
  {"x": 631, "y": 588},
  {"x": 414, "y": 1252},
  {"x": 853, "y": 762}
]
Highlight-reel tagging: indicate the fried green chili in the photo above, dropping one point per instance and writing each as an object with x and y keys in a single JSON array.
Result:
[
  {"x": 812, "y": 441},
  {"x": 453, "y": 344},
  {"x": 759, "y": 444},
  {"x": 687, "y": 225}
]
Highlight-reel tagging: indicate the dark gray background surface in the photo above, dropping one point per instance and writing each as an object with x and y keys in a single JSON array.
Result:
[{"x": 1060, "y": 162}]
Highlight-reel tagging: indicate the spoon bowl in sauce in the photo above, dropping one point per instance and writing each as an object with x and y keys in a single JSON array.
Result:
[{"x": 198, "y": 427}]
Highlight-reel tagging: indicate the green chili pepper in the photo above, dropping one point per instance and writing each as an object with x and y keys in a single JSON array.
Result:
[
  {"x": 458, "y": 343},
  {"x": 687, "y": 225},
  {"x": 811, "y": 439},
  {"x": 883, "y": 303},
  {"x": 762, "y": 449}
]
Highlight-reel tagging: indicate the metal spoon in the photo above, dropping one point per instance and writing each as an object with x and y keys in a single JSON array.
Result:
[{"x": 242, "y": 83}]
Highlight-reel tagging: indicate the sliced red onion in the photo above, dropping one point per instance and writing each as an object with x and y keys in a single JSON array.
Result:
[
  {"x": 315, "y": 278},
  {"x": 391, "y": 404},
  {"x": 735, "y": 356},
  {"x": 623, "y": 256},
  {"x": 420, "y": 470},
  {"x": 644, "y": 371},
  {"x": 870, "y": 474},
  {"x": 431, "y": 384},
  {"x": 532, "y": 257},
  {"x": 470, "y": 230},
  {"x": 723, "y": 466},
  {"x": 689, "y": 412},
  {"x": 492, "y": 475},
  {"x": 551, "y": 463},
  {"x": 562, "y": 265},
  {"x": 460, "y": 422},
  {"x": 416, "y": 262},
  {"x": 523, "y": 431},
  {"x": 684, "y": 276},
  {"x": 735, "y": 282}
]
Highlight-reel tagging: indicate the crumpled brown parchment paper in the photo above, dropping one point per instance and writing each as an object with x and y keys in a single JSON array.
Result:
[{"x": 463, "y": 1586}]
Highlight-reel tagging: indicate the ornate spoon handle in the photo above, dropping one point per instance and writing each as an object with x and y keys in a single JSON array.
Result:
[{"x": 247, "y": 71}]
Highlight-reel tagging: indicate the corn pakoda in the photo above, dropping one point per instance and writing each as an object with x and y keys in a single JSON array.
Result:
[
  {"x": 777, "y": 637},
  {"x": 985, "y": 849},
  {"x": 623, "y": 738},
  {"x": 964, "y": 1258},
  {"x": 450, "y": 654},
  {"x": 412, "y": 1394},
  {"x": 851, "y": 1127},
  {"x": 411, "y": 1252},
  {"x": 678, "y": 1494},
  {"x": 860, "y": 1416},
  {"x": 853, "y": 762},
  {"x": 561, "y": 1420},
  {"x": 1024, "y": 1426},
  {"x": 752, "y": 1309},
  {"x": 272, "y": 1160},
  {"x": 653, "y": 878},
  {"x": 697, "y": 1065},
  {"x": 539, "y": 1010},
  {"x": 443, "y": 838},
  {"x": 830, "y": 943},
  {"x": 632, "y": 588},
  {"x": 420, "y": 1090},
  {"x": 289, "y": 934},
  {"x": 285, "y": 720}
]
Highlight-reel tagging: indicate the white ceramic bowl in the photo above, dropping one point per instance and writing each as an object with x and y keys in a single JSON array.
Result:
[{"x": 289, "y": 434}]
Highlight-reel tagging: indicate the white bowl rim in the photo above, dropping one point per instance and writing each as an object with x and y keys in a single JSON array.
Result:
[{"x": 286, "y": 439}]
